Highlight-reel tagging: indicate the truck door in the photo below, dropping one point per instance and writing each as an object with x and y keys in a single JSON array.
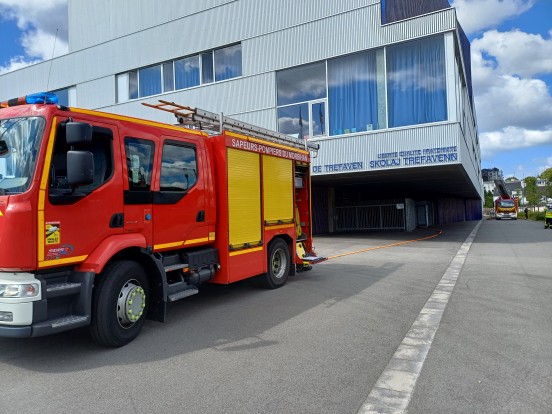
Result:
[
  {"x": 179, "y": 205},
  {"x": 73, "y": 221},
  {"x": 139, "y": 157}
]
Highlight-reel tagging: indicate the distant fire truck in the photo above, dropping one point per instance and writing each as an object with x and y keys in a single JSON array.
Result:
[{"x": 506, "y": 206}]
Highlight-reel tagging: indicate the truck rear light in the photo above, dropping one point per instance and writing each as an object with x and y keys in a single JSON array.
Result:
[
  {"x": 6, "y": 316},
  {"x": 19, "y": 290}
]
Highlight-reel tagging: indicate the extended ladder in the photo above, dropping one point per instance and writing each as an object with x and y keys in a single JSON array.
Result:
[{"x": 210, "y": 121}]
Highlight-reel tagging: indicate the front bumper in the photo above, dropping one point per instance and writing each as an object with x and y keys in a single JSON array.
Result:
[{"x": 20, "y": 309}]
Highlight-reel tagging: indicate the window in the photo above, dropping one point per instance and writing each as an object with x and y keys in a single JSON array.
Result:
[
  {"x": 305, "y": 83},
  {"x": 149, "y": 81},
  {"x": 302, "y": 101},
  {"x": 101, "y": 148},
  {"x": 139, "y": 156},
  {"x": 187, "y": 72},
  {"x": 67, "y": 96},
  {"x": 228, "y": 62},
  {"x": 353, "y": 93},
  {"x": 416, "y": 84},
  {"x": 207, "y": 69},
  {"x": 168, "y": 77},
  {"x": 178, "y": 168}
]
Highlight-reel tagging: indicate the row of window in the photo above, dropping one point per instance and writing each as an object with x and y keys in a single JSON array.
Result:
[
  {"x": 203, "y": 68},
  {"x": 404, "y": 84}
]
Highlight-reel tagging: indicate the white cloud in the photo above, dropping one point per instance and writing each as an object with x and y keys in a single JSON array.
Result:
[
  {"x": 40, "y": 21},
  {"x": 516, "y": 52},
  {"x": 478, "y": 15},
  {"x": 514, "y": 108},
  {"x": 16, "y": 62},
  {"x": 511, "y": 138}
]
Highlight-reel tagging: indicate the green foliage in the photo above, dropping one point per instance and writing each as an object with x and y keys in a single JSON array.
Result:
[
  {"x": 489, "y": 199},
  {"x": 547, "y": 174},
  {"x": 532, "y": 193},
  {"x": 511, "y": 179}
]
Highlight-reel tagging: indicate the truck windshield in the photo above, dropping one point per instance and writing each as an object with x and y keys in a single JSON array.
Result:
[
  {"x": 20, "y": 140},
  {"x": 507, "y": 203}
]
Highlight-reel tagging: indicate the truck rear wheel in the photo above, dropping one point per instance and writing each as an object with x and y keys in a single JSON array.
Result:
[
  {"x": 119, "y": 303},
  {"x": 279, "y": 263}
]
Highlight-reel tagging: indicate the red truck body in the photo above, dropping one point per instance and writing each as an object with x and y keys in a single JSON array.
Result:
[
  {"x": 106, "y": 218},
  {"x": 506, "y": 208}
]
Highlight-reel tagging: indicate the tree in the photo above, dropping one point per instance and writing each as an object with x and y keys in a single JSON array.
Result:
[
  {"x": 489, "y": 199},
  {"x": 532, "y": 193},
  {"x": 547, "y": 174}
]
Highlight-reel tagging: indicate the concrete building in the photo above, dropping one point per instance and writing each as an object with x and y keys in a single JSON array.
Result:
[{"x": 383, "y": 86}]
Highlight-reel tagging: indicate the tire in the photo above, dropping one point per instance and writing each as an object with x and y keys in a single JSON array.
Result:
[
  {"x": 279, "y": 264},
  {"x": 119, "y": 304}
]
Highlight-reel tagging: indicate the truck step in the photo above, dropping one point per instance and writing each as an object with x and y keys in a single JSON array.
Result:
[
  {"x": 62, "y": 289},
  {"x": 183, "y": 294},
  {"x": 60, "y": 324}
]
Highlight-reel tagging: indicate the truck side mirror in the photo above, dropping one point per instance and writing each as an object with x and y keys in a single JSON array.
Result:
[
  {"x": 80, "y": 168},
  {"x": 78, "y": 133}
]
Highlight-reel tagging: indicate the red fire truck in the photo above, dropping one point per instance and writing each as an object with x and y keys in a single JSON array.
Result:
[
  {"x": 106, "y": 218},
  {"x": 506, "y": 206}
]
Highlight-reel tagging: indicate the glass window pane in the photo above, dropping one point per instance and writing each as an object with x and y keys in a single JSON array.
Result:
[
  {"x": 318, "y": 119},
  {"x": 294, "y": 120},
  {"x": 178, "y": 168},
  {"x": 139, "y": 156},
  {"x": 416, "y": 84},
  {"x": 150, "y": 81},
  {"x": 168, "y": 77},
  {"x": 305, "y": 83},
  {"x": 133, "y": 85},
  {"x": 207, "y": 75},
  {"x": 63, "y": 96},
  {"x": 228, "y": 62},
  {"x": 187, "y": 72},
  {"x": 353, "y": 100}
]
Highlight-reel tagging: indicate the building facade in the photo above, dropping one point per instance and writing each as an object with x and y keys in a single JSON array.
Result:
[{"x": 383, "y": 86}]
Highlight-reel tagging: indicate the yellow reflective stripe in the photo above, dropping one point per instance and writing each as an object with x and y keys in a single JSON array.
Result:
[
  {"x": 69, "y": 260},
  {"x": 212, "y": 236},
  {"x": 195, "y": 241},
  {"x": 281, "y": 226},
  {"x": 180, "y": 243},
  {"x": 168, "y": 245},
  {"x": 245, "y": 251},
  {"x": 42, "y": 190}
]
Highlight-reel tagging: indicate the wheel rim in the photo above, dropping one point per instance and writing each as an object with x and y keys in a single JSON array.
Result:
[
  {"x": 279, "y": 264},
  {"x": 130, "y": 304}
]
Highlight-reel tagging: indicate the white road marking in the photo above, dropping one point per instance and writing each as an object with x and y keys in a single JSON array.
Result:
[{"x": 392, "y": 392}]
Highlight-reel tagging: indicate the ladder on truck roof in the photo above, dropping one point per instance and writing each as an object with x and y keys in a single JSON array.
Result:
[
  {"x": 502, "y": 190},
  {"x": 210, "y": 121}
]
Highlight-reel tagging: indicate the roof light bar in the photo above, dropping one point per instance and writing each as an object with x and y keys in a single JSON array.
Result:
[{"x": 35, "y": 98}]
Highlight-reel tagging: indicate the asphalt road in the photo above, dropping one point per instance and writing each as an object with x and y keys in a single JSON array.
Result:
[{"x": 320, "y": 343}]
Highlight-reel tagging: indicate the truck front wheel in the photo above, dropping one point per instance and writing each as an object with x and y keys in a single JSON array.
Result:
[
  {"x": 119, "y": 303},
  {"x": 279, "y": 263}
]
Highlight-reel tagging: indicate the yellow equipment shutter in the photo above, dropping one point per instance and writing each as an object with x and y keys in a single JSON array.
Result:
[
  {"x": 244, "y": 198},
  {"x": 278, "y": 189}
]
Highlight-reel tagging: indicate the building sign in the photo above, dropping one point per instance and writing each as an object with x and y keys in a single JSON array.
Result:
[
  {"x": 332, "y": 168},
  {"x": 410, "y": 158}
]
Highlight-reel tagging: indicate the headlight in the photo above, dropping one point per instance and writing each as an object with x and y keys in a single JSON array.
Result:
[{"x": 27, "y": 290}]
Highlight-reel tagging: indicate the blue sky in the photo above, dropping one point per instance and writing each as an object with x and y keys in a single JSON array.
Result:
[{"x": 511, "y": 67}]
